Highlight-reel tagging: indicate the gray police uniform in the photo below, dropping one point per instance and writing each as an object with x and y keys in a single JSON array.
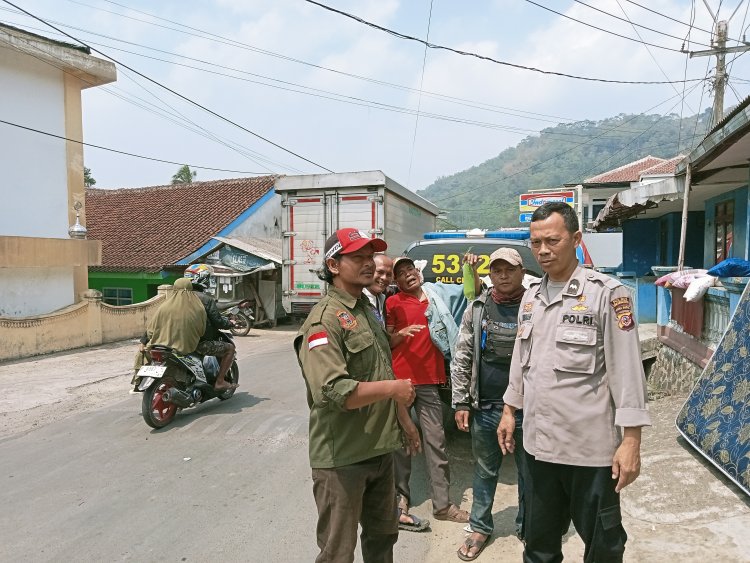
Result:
[
  {"x": 576, "y": 370},
  {"x": 577, "y": 373}
]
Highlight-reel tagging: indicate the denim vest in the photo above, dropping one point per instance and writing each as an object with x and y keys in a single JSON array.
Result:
[{"x": 440, "y": 321}]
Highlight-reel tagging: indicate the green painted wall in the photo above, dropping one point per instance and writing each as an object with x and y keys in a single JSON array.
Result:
[{"x": 143, "y": 285}]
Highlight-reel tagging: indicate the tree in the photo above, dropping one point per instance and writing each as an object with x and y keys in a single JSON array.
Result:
[
  {"x": 184, "y": 175},
  {"x": 88, "y": 179}
]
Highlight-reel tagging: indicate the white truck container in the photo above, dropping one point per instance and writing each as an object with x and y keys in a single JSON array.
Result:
[{"x": 315, "y": 206}]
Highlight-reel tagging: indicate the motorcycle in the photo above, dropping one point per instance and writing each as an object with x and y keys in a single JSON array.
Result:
[
  {"x": 241, "y": 314},
  {"x": 171, "y": 381}
]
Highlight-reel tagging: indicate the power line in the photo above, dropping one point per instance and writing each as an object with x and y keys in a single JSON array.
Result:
[
  {"x": 196, "y": 129},
  {"x": 484, "y": 106},
  {"x": 600, "y": 28},
  {"x": 237, "y": 44},
  {"x": 484, "y": 57},
  {"x": 61, "y": 137},
  {"x": 563, "y": 153},
  {"x": 419, "y": 99},
  {"x": 634, "y": 24},
  {"x": 670, "y": 17},
  {"x": 333, "y": 96},
  {"x": 653, "y": 58},
  {"x": 204, "y": 108}
]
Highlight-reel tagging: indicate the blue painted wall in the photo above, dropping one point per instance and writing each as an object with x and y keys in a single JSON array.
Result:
[
  {"x": 671, "y": 223},
  {"x": 740, "y": 236},
  {"x": 639, "y": 252}
]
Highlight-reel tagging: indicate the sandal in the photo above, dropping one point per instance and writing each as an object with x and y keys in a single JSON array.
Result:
[
  {"x": 452, "y": 514},
  {"x": 416, "y": 524},
  {"x": 468, "y": 545}
]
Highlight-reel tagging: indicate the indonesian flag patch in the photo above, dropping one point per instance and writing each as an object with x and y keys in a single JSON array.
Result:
[{"x": 317, "y": 339}]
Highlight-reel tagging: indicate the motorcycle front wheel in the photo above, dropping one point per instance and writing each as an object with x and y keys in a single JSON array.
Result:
[
  {"x": 244, "y": 324},
  {"x": 155, "y": 411}
]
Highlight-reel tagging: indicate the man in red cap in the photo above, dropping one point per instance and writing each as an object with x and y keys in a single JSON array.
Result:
[{"x": 356, "y": 407}]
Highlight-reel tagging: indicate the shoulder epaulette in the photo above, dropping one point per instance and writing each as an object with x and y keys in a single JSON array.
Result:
[{"x": 607, "y": 281}]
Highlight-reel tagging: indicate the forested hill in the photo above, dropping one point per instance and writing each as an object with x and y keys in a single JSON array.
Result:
[{"x": 486, "y": 195}]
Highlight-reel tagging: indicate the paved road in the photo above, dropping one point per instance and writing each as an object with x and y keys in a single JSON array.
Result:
[{"x": 84, "y": 479}]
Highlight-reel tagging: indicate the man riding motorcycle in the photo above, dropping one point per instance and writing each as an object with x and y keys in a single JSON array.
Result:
[{"x": 211, "y": 343}]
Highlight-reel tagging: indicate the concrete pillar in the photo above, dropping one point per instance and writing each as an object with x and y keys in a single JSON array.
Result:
[
  {"x": 734, "y": 286},
  {"x": 93, "y": 300}
]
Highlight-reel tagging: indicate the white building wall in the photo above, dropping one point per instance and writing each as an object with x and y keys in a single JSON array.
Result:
[
  {"x": 33, "y": 184},
  {"x": 35, "y": 291},
  {"x": 264, "y": 223}
]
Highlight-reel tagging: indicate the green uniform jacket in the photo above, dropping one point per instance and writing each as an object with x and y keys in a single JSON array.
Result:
[{"x": 340, "y": 344}]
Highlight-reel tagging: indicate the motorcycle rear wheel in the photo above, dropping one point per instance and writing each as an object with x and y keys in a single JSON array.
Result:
[
  {"x": 155, "y": 411},
  {"x": 244, "y": 324},
  {"x": 233, "y": 376}
]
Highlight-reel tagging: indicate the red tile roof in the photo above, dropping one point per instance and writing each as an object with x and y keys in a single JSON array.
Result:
[
  {"x": 663, "y": 168},
  {"x": 147, "y": 229},
  {"x": 627, "y": 173}
]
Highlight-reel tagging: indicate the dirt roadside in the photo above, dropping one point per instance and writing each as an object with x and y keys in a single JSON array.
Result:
[{"x": 681, "y": 508}]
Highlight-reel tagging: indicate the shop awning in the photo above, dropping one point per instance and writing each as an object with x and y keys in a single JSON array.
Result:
[
  {"x": 249, "y": 255},
  {"x": 665, "y": 195}
]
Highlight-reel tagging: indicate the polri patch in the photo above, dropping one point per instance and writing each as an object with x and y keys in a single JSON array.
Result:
[
  {"x": 527, "y": 307},
  {"x": 624, "y": 312},
  {"x": 587, "y": 320},
  {"x": 317, "y": 339},
  {"x": 346, "y": 319}
]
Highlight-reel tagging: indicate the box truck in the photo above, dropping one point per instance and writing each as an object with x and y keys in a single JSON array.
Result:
[{"x": 315, "y": 206}]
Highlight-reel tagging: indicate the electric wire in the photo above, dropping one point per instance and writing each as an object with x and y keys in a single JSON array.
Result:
[
  {"x": 742, "y": 27},
  {"x": 484, "y": 57},
  {"x": 231, "y": 42},
  {"x": 134, "y": 155},
  {"x": 634, "y": 24},
  {"x": 514, "y": 112},
  {"x": 558, "y": 155},
  {"x": 187, "y": 99},
  {"x": 196, "y": 128},
  {"x": 599, "y": 28},
  {"x": 645, "y": 45},
  {"x": 333, "y": 96},
  {"x": 419, "y": 98},
  {"x": 670, "y": 17}
]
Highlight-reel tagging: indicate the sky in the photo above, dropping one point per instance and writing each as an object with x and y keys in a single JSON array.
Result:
[{"x": 333, "y": 93}]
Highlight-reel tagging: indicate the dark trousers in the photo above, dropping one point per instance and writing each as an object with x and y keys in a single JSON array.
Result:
[
  {"x": 362, "y": 493},
  {"x": 557, "y": 494},
  {"x": 430, "y": 414}
]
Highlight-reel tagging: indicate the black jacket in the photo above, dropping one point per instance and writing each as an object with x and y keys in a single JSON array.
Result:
[{"x": 214, "y": 320}]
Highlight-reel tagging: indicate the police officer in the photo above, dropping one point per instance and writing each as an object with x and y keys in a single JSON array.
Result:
[
  {"x": 577, "y": 373},
  {"x": 356, "y": 407},
  {"x": 479, "y": 376}
]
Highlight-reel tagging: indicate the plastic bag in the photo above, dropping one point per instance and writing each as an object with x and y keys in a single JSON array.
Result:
[
  {"x": 684, "y": 281},
  {"x": 698, "y": 288},
  {"x": 731, "y": 267}
]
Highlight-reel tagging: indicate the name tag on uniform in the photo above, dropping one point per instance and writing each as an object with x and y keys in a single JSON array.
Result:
[{"x": 317, "y": 339}]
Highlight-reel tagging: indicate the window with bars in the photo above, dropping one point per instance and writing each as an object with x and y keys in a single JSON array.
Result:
[
  {"x": 724, "y": 221},
  {"x": 117, "y": 295}
]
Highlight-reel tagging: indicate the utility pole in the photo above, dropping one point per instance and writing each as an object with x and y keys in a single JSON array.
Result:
[{"x": 720, "y": 49}]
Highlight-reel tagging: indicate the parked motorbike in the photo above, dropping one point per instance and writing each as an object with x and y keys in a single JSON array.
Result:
[
  {"x": 172, "y": 381},
  {"x": 241, "y": 314}
]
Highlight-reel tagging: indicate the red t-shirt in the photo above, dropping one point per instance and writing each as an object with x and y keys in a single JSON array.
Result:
[{"x": 416, "y": 358}]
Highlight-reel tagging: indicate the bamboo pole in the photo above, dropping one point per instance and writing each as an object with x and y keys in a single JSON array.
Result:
[{"x": 683, "y": 228}]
